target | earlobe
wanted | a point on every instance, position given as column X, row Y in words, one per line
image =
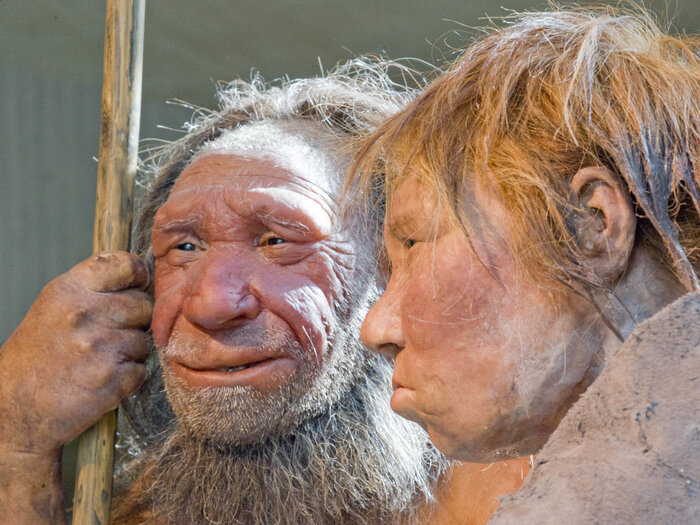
column 603, row 222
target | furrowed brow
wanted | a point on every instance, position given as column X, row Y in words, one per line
column 183, row 224
column 303, row 220
column 270, row 219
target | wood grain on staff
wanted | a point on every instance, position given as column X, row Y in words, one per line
column 121, row 109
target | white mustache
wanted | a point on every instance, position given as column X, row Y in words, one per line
column 248, row 337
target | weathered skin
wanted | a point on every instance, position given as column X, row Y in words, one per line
column 75, row 355
column 215, row 232
column 245, row 249
column 466, row 324
column 221, row 262
column 224, row 260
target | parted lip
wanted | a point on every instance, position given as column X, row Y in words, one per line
column 220, row 359
column 265, row 372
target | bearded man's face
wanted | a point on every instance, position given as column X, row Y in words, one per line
column 254, row 275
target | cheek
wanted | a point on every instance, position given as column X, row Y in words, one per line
column 458, row 343
column 301, row 303
column 448, row 298
column 457, row 376
column 308, row 295
column 332, row 270
column 170, row 293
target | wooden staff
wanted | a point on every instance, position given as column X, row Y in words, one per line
column 121, row 110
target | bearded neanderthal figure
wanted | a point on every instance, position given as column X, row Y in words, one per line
column 260, row 286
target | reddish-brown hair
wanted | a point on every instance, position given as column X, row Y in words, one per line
column 529, row 104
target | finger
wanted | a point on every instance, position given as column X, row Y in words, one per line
column 130, row 345
column 132, row 376
column 111, row 272
column 110, row 384
column 109, row 347
column 128, row 309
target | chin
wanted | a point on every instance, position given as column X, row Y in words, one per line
column 458, row 444
column 234, row 416
column 447, row 443
column 409, row 414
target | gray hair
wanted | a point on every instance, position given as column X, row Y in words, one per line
column 349, row 101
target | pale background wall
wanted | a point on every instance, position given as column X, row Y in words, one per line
column 48, row 143
column 50, row 82
column 50, row 85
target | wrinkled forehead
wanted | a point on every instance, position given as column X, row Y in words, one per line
column 303, row 148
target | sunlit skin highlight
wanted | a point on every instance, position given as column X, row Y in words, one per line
column 244, row 248
column 487, row 361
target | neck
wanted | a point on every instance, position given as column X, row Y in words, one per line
column 471, row 492
column 646, row 286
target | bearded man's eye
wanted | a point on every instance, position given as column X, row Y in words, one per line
column 186, row 247
column 271, row 240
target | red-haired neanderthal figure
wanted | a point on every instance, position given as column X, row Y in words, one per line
column 542, row 223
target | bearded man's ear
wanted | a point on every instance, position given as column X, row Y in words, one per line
column 603, row 222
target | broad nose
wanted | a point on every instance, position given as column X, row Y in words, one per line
column 382, row 331
column 221, row 295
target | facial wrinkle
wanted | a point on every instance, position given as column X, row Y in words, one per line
column 281, row 204
column 302, row 148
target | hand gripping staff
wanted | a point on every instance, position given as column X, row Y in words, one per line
column 119, row 132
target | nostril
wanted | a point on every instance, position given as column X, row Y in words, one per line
column 389, row 350
column 249, row 306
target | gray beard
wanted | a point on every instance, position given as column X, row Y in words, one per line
column 325, row 450
column 233, row 416
column 355, row 463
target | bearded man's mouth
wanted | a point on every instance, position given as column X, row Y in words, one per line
column 264, row 374
column 235, row 368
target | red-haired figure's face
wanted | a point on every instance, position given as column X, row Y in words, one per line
column 485, row 359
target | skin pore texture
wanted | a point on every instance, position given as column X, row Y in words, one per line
column 248, row 273
column 486, row 359
column 282, row 416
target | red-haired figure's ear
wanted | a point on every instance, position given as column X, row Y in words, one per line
column 604, row 221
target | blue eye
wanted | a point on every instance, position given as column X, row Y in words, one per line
column 186, row 247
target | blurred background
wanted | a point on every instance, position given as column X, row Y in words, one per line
column 50, row 90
